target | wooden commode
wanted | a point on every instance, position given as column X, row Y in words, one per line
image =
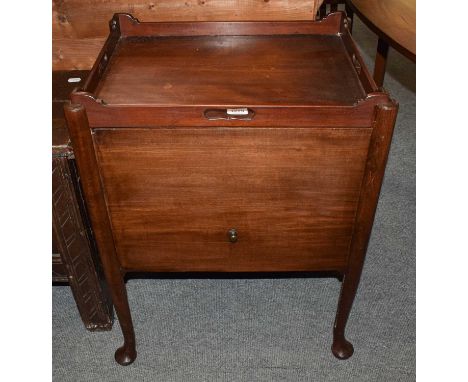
column 231, row 147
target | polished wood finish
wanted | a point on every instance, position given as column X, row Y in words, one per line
column 394, row 21
column 290, row 78
column 129, row 26
column 74, row 256
column 77, row 37
column 174, row 183
column 82, row 141
column 181, row 224
column 383, row 124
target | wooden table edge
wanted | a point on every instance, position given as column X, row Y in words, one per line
column 382, row 35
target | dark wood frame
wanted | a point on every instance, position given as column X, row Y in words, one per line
column 86, row 112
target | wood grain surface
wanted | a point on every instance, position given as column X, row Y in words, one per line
column 373, row 177
column 79, row 27
column 284, row 70
column 173, row 194
column 393, row 20
column 167, row 186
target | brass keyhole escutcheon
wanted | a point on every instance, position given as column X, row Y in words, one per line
column 232, row 235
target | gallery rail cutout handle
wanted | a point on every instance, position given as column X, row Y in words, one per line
column 242, row 113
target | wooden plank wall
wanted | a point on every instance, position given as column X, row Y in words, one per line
column 80, row 27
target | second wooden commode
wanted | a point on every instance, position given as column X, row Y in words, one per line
column 231, row 147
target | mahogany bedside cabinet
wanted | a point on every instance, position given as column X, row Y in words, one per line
column 231, row 147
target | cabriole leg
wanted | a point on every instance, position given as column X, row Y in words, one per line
column 126, row 354
column 377, row 158
column 341, row 347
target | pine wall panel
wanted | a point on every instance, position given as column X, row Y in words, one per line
column 80, row 27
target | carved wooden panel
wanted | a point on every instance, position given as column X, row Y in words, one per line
column 75, row 250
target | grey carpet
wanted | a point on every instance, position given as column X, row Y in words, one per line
column 273, row 330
